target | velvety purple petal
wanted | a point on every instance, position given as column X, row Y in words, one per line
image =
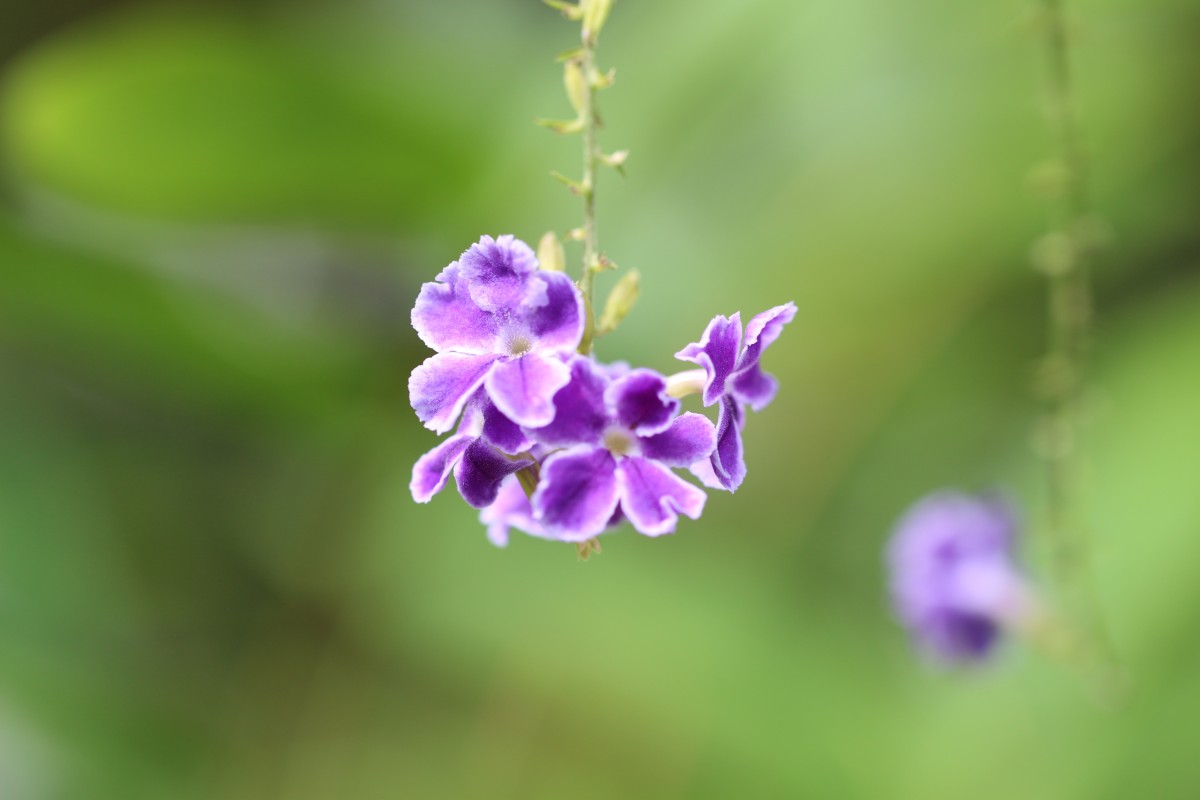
column 511, row 509
column 502, row 432
column 639, row 401
column 690, row 438
column 704, row 472
column 754, row 387
column 727, row 462
column 480, row 471
column 439, row 388
column 577, row 494
column 502, row 274
column 766, row 327
column 557, row 324
column 652, row 496
column 433, row 469
column 717, row 353
column 761, row 332
column 446, row 318
column 523, row 388
column 580, row 416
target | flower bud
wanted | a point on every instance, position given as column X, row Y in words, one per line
column 621, row 301
column 550, row 253
column 575, row 85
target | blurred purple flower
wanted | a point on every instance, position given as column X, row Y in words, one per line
column 496, row 322
column 954, row 582
column 620, row 437
column 734, row 378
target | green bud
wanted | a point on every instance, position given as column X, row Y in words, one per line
column 1055, row 253
column 621, row 301
column 550, row 253
column 563, row 126
column 576, row 86
column 571, row 11
column 575, row 186
column 576, row 234
column 603, row 80
column 595, row 14
column 615, row 160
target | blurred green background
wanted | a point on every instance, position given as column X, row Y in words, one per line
column 213, row 221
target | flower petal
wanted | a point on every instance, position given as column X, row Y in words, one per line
column 766, row 327
column 639, row 401
column 446, row 318
column 523, row 388
column 717, row 352
column 653, row 497
column 501, row 274
column 690, row 438
column 577, row 495
column 440, row 387
column 511, row 509
column 580, row 416
column 754, row 387
column 558, row 324
column 480, row 472
column 727, row 462
column 502, row 432
column 703, row 470
column 433, row 469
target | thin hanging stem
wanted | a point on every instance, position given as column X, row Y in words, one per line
column 1064, row 255
column 591, row 251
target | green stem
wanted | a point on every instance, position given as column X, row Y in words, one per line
column 591, row 252
column 1069, row 311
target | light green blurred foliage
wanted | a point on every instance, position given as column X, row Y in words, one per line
column 213, row 582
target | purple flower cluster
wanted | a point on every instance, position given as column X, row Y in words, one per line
column 554, row 443
column 954, row 581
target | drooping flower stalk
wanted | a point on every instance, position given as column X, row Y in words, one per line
column 591, row 251
column 1064, row 255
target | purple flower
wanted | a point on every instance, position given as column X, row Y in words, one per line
column 496, row 322
column 475, row 455
column 953, row 578
column 620, row 437
column 513, row 510
column 734, row 378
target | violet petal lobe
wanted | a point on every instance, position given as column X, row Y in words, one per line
column 558, row 324
column 691, row 438
column 754, row 387
column 639, row 401
column 433, row 469
column 579, row 416
column 523, row 388
column 717, row 353
column 481, row 470
column 652, row 496
column 499, row 430
column 765, row 329
column 728, row 464
column 511, row 509
column 446, row 318
column 501, row 274
column 440, row 387
column 577, row 494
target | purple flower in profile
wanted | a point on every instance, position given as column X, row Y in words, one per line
column 734, row 378
column 497, row 322
column 475, row 455
column 621, row 436
column 954, row 582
